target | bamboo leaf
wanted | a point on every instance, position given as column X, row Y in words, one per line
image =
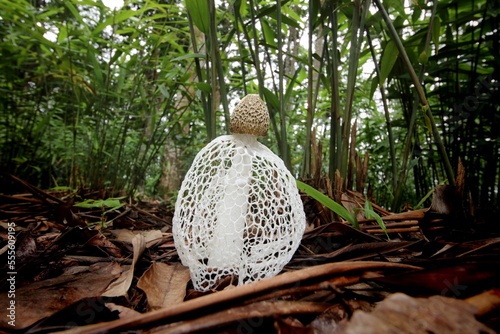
column 63, row 34
column 74, row 11
column 115, row 57
column 268, row 34
column 290, row 22
column 292, row 13
column 291, row 84
column 271, row 11
column 398, row 6
column 204, row 87
column 389, row 58
column 242, row 7
column 189, row 56
column 198, row 10
column 97, row 67
column 423, row 58
column 417, row 11
column 373, row 86
column 329, row 203
column 467, row 67
column 420, row 204
column 115, row 19
column 49, row 13
column 436, row 32
column 271, row 99
column 371, row 214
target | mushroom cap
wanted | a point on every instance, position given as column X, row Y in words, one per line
column 250, row 117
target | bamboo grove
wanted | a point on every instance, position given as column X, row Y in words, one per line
column 123, row 98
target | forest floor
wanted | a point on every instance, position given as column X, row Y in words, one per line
column 78, row 262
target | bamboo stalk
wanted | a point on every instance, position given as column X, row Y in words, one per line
column 392, row 149
column 335, row 96
column 211, row 69
column 199, row 74
column 306, row 165
column 285, row 152
column 219, row 68
column 351, row 83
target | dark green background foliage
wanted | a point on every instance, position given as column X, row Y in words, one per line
column 95, row 97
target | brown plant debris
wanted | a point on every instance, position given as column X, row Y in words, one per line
column 96, row 262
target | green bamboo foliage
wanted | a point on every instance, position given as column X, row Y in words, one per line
column 340, row 121
column 122, row 98
column 101, row 137
column 425, row 108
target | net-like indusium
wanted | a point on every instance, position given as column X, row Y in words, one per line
column 238, row 213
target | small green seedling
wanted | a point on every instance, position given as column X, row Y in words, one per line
column 371, row 214
column 110, row 203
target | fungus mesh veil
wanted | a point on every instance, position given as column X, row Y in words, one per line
column 238, row 212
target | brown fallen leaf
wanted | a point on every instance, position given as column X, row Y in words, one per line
column 124, row 312
column 164, row 284
column 400, row 313
column 26, row 248
column 122, row 284
column 82, row 312
column 101, row 242
column 52, row 295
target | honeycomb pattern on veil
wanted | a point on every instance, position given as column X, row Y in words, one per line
column 272, row 223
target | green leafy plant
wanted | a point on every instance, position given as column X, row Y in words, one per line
column 329, row 203
column 105, row 205
column 340, row 210
column 371, row 214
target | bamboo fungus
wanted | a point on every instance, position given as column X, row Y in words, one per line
column 238, row 211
